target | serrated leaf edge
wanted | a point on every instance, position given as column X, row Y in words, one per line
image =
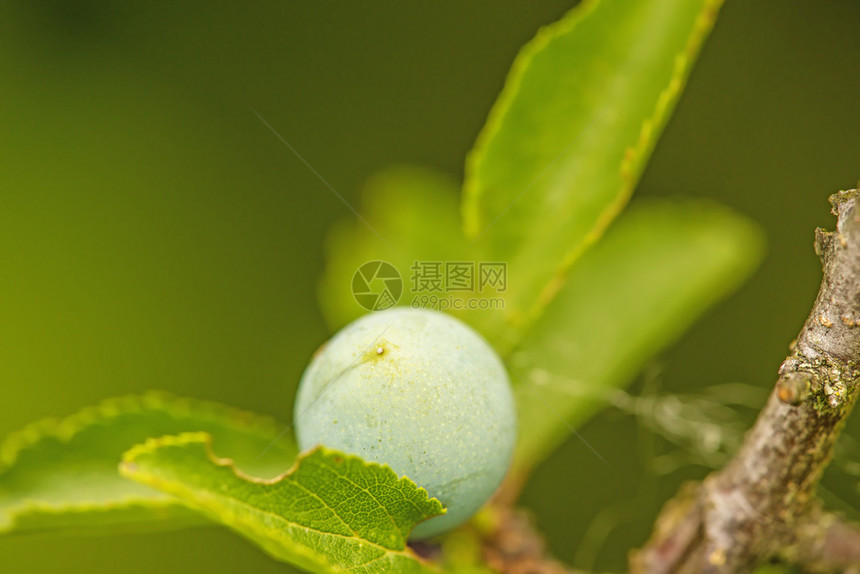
column 649, row 132
column 472, row 224
column 129, row 469
column 64, row 429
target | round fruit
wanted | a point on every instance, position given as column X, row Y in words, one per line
column 421, row 392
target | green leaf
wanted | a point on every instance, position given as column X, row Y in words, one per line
column 330, row 513
column 656, row 270
column 63, row 474
column 569, row 136
column 410, row 214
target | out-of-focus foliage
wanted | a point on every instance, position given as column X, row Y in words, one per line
column 569, row 136
column 409, row 215
column 557, row 160
column 62, row 474
column 657, row 269
column 153, row 233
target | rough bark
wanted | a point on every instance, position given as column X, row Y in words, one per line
column 763, row 504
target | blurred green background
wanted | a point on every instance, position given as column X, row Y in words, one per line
column 154, row 234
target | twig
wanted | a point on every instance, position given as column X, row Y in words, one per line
column 515, row 547
column 762, row 505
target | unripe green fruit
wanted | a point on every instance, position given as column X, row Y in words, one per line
column 421, row 392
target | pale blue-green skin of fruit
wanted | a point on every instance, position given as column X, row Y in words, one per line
column 435, row 406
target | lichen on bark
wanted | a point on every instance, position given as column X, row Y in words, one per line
column 763, row 505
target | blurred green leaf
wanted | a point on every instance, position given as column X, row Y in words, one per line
column 63, row 474
column 569, row 136
column 330, row 513
column 656, row 270
column 412, row 215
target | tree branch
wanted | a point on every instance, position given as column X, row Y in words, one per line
column 763, row 504
column 826, row 543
